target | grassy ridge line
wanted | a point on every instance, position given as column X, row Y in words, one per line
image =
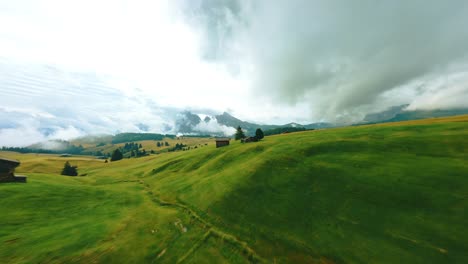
column 243, row 246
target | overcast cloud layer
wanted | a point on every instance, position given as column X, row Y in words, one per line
column 342, row 57
column 69, row 68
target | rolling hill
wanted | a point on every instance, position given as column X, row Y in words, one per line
column 387, row 193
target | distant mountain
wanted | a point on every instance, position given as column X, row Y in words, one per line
column 130, row 137
column 320, row 125
column 225, row 124
column 186, row 122
column 385, row 115
column 398, row 113
column 421, row 114
column 197, row 124
column 230, row 121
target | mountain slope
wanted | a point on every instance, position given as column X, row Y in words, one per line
column 390, row 193
column 343, row 194
column 228, row 120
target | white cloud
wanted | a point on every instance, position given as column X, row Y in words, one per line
column 139, row 47
column 20, row 136
column 445, row 92
column 69, row 132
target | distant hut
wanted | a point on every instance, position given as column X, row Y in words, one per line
column 249, row 139
column 221, row 142
column 7, row 171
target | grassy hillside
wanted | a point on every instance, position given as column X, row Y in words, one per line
column 389, row 193
column 149, row 145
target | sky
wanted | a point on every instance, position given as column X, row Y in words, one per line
column 70, row 68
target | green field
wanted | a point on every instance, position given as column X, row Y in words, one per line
column 390, row 193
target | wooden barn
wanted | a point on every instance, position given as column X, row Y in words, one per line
column 221, row 142
column 249, row 139
column 7, row 171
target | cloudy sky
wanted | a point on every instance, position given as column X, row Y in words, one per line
column 70, row 68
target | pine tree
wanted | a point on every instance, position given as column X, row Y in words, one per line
column 116, row 155
column 259, row 134
column 239, row 133
column 69, row 170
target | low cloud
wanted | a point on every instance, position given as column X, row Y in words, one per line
column 20, row 136
column 212, row 126
column 28, row 134
column 42, row 102
column 443, row 93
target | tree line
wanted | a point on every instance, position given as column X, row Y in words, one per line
column 240, row 135
column 282, row 130
column 70, row 149
column 128, row 137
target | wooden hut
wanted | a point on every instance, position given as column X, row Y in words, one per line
column 7, row 171
column 249, row 139
column 221, row 142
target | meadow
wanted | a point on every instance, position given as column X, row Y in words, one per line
column 387, row 193
column 147, row 145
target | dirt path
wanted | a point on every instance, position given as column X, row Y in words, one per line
column 251, row 255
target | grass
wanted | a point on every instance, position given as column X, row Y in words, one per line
column 149, row 145
column 389, row 193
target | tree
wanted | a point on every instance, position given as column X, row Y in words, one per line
column 69, row 170
column 158, row 144
column 239, row 133
column 116, row 155
column 166, row 144
column 259, row 134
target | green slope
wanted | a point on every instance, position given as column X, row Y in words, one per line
column 377, row 193
column 391, row 193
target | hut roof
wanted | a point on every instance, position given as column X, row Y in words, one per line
column 10, row 161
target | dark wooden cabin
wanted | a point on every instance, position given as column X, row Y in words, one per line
column 221, row 142
column 249, row 139
column 7, row 171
